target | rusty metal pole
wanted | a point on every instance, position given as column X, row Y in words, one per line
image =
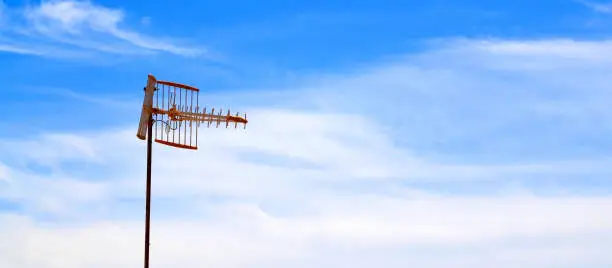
column 148, row 194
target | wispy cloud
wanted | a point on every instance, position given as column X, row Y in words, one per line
column 598, row 6
column 19, row 50
column 2, row 11
column 70, row 96
column 59, row 24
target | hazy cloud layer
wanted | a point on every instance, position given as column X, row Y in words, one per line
column 376, row 168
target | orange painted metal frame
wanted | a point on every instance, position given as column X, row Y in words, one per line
column 173, row 84
column 177, row 145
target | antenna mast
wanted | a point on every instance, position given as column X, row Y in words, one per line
column 172, row 105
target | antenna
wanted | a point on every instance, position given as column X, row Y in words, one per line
column 176, row 110
column 176, row 107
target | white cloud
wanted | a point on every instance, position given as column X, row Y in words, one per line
column 145, row 21
column 71, row 17
column 525, row 232
column 330, row 184
column 597, row 7
column 18, row 50
column 4, row 173
column 3, row 15
column 560, row 49
column 85, row 25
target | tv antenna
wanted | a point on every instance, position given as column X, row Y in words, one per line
column 176, row 107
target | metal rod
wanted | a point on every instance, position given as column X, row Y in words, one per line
column 148, row 194
column 163, row 116
column 173, row 106
column 156, row 105
column 191, row 123
column 180, row 109
column 185, row 123
column 198, row 122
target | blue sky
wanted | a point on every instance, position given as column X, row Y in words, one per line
column 395, row 132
